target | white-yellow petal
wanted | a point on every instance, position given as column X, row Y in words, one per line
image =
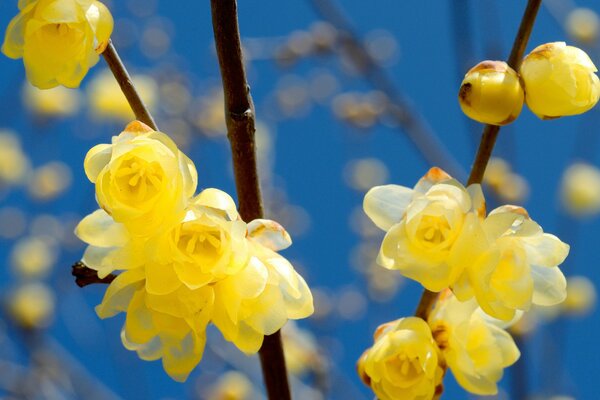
column 386, row 205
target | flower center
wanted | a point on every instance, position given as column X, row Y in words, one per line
column 139, row 179
column 204, row 244
column 433, row 230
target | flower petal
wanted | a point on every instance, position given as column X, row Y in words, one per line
column 549, row 285
column 385, row 205
column 269, row 234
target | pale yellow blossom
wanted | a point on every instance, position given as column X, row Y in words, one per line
column 142, row 179
column 423, row 225
column 403, row 363
column 475, row 348
column 59, row 40
column 510, row 264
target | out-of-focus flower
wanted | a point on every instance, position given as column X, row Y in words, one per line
column 580, row 189
column 475, row 347
column 32, row 257
column 360, row 110
column 232, row 385
column 510, row 264
column 32, row 306
column 508, row 185
column 581, row 296
column 559, row 80
column 59, row 40
column 14, row 163
column 363, row 174
column 423, row 224
column 301, row 350
column 142, row 179
column 491, row 93
column 583, row 25
column 403, row 362
column 108, row 101
column 49, row 181
column 55, row 102
column 209, row 116
column 175, row 97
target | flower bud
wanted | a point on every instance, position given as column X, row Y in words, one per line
column 491, row 93
column 559, row 80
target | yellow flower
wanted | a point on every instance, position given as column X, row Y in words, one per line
column 14, row 164
column 580, row 189
column 208, row 245
column 142, row 179
column 59, row 40
column 231, row 386
column 56, row 102
column 170, row 327
column 32, row 306
column 259, row 299
column 403, row 362
column 476, row 348
column 559, row 80
column 583, row 24
column 491, row 93
column 423, row 225
column 510, row 264
column 581, row 296
column 108, row 101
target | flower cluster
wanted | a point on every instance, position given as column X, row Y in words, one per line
column 59, row 40
column 186, row 261
column 554, row 80
column 439, row 235
column 409, row 357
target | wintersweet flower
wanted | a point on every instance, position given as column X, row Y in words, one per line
column 259, row 299
column 208, row 245
column 475, row 347
column 559, row 80
column 171, row 327
column 510, row 264
column 491, row 93
column 424, row 224
column 59, row 40
column 142, row 179
column 404, row 362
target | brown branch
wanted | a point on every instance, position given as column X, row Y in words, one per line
column 122, row 76
column 86, row 276
column 490, row 132
column 413, row 125
column 239, row 113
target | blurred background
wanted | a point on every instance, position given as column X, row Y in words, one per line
column 348, row 95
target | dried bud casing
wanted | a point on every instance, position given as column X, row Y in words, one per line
column 559, row 80
column 491, row 93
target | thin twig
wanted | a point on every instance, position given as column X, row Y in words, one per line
column 84, row 275
column 414, row 126
column 239, row 112
column 490, row 132
column 122, row 76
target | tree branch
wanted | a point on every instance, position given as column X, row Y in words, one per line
column 490, row 132
column 239, row 114
column 413, row 124
column 122, row 76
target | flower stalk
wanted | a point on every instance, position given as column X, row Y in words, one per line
column 124, row 80
column 490, row 132
column 239, row 115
